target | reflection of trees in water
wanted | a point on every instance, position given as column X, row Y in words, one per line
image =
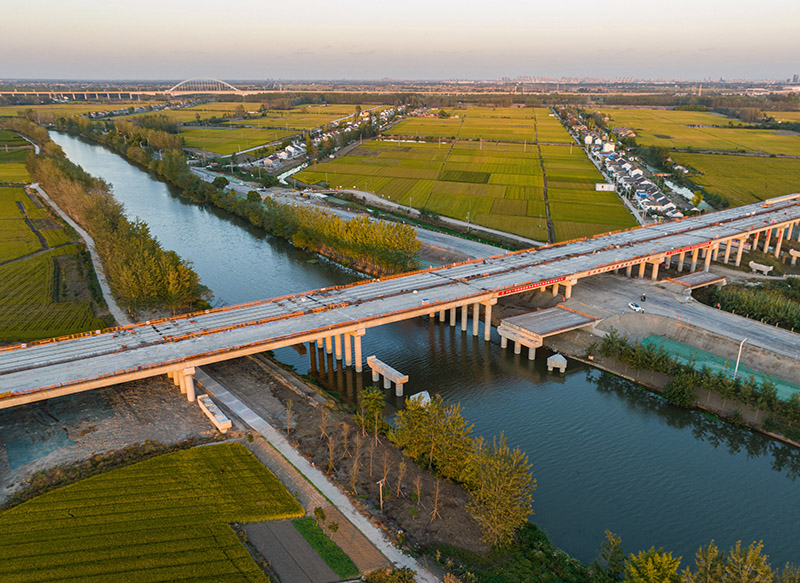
column 704, row 426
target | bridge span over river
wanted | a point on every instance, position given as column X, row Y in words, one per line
column 340, row 316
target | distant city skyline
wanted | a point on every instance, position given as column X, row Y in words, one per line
column 415, row 40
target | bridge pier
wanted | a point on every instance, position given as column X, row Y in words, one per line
column 555, row 289
column 642, row 267
column 185, row 380
column 348, row 353
column 715, row 252
column 767, row 237
column 739, row 251
column 464, row 316
column 337, row 342
column 628, row 270
column 727, row 257
column 389, row 374
column 695, row 253
column 754, row 246
column 487, row 326
column 357, row 344
column 779, row 243
column 328, row 345
column 654, row 275
column 707, row 259
column 476, row 318
column 452, row 316
column 441, row 315
column 681, row 258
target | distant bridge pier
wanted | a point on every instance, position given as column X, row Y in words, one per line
column 779, row 243
column 767, row 237
column 642, row 267
column 441, row 315
column 739, row 251
column 707, row 253
column 476, row 318
column 464, row 317
column 487, row 327
column 695, row 254
column 185, row 380
column 628, row 270
column 452, row 316
column 681, row 258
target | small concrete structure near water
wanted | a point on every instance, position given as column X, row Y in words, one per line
column 531, row 328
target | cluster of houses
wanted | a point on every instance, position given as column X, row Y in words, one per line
column 280, row 157
column 631, row 181
column 379, row 120
column 628, row 179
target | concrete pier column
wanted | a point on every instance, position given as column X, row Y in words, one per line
column 628, row 270
column 180, row 381
column 555, row 289
column 716, row 252
column 767, row 237
column 312, row 356
column 337, row 343
column 654, row 275
column 779, row 243
column 681, row 257
column 398, row 389
column 387, row 382
column 452, row 316
column 695, row 253
column 487, row 327
column 188, row 380
column 797, row 225
column 642, row 267
column 357, row 342
column 348, row 353
column 568, row 290
column 531, row 353
column 375, row 375
column 517, row 347
column 503, row 342
column 319, row 342
column 739, row 252
column 176, row 378
column 464, row 316
column 476, row 318
column 754, row 246
column 441, row 315
column 707, row 260
column 328, row 345
column 728, row 245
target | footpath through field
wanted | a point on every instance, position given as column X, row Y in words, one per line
column 365, row 544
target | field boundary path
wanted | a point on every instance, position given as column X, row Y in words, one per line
column 551, row 232
column 317, row 489
column 119, row 314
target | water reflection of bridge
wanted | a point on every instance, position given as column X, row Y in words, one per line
column 337, row 318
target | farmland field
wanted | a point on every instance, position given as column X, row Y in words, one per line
column 9, row 138
column 499, row 185
column 793, row 116
column 163, row 519
column 61, row 109
column 13, row 172
column 744, row 179
column 229, row 141
column 701, row 131
column 36, row 300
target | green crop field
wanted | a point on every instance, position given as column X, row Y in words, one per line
column 229, row 141
column 793, row 116
column 32, row 303
column 62, row 109
column 499, row 185
column 14, row 172
column 701, row 131
column 743, row 179
column 14, row 155
column 9, row 138
column 164, row 519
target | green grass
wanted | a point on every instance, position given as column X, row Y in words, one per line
column 228, row 141
column 9, row 138
column 163, row 519
column 743, row 179
column 67, row 109
column 330, row 552
column 14, row 155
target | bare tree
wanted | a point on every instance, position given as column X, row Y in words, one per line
column 345, row 433
column 324, row 413
column 401, row 469
column 435, row 514
column 331, row 453
column 419, row 489
column 289, row 407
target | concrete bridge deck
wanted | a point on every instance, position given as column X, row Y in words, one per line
column 60, row 366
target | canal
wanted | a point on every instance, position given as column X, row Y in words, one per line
column 606, row 453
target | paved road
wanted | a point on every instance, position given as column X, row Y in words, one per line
column 612, row 294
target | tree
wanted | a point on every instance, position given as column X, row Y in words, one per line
column 502, row 496
column 253, row 196
column 746, row 565
column 610, row 560
column 220, row 182
column 652, row 566
column 697, row 199
column 443, row 114
column 708, row 566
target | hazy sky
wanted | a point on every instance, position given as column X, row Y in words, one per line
column 414, row 39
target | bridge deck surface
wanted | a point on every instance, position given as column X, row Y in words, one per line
column 549, row 321
column 283, row 321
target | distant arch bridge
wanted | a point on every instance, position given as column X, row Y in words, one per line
column 203, row 85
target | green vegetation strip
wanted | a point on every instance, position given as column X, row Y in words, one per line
column 330, row 552
column 163, row 519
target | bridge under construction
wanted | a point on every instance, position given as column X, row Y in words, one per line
column 338, row 317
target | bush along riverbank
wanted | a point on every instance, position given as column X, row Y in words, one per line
column 753, row 403
column 142, row 275
column 374, row 247
column 775, row 303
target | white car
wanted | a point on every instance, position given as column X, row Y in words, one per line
column 635, row 307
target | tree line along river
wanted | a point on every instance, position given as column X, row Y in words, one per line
column 606, row 453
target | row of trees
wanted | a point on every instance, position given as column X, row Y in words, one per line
column 688, row 379
column 778, row 305
column 739, row 565
column 142, row 274
column 497, row 477
column 374, row 246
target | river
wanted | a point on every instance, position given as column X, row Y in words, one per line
column 606, row 453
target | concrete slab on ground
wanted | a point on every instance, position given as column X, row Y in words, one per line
column 289, row 554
